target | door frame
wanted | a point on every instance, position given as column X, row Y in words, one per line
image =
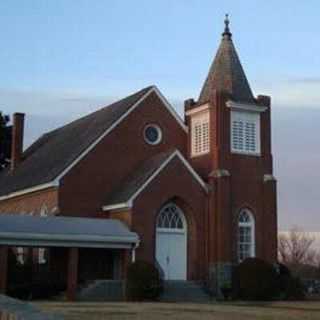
column 174, row 231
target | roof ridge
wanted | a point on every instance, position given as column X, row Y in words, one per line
column 146, row 89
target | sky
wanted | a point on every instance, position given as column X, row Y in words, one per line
column 62, row 59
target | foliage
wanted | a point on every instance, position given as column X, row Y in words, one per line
column 143, row 282
column 5, row 141
column 255, row 279
column 291, row 288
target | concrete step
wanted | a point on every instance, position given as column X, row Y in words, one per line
column 184, row 291
column 102, row 290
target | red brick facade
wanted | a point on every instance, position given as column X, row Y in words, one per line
column 32, row 203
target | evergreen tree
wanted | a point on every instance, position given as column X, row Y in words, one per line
column 5, row 141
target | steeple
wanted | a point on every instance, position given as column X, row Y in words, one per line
column 226, row 73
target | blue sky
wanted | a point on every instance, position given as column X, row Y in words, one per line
column 60, row 59
column 114, row 47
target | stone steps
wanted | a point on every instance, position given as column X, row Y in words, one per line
column 101, row 290
column 184, row 291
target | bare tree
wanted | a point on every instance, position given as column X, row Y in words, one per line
column 295, row 249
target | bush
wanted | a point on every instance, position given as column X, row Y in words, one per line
column 256, row 279
column 143, row 282
column 291, row 288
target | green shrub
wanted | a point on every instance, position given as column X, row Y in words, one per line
column 143, row 282
column 291, row 288
column 256, row 279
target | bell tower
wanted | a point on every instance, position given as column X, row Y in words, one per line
column 230, row 147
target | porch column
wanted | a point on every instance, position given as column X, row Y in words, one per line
column 3, row 269
column 72, row 275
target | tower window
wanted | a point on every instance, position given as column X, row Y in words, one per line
column 200, row 139
column 246, row 238
column 245, row 132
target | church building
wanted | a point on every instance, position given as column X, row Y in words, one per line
column 135, row 181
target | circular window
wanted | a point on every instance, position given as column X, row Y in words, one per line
column 152, row 134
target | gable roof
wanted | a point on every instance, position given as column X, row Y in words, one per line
column 226, row 73
column 135, row 183
column 56, row 152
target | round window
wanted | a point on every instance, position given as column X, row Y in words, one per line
column 152, row 134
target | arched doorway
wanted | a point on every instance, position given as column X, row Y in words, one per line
column 171, row 242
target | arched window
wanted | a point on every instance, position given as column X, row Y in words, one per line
column 171, row 217
column 246, row 238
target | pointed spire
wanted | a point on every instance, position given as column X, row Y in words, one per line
column 226, row 72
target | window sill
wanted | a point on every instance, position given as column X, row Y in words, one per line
column 244, row 153
column 199, row 154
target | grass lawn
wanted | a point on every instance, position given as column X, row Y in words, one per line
column 155, row 311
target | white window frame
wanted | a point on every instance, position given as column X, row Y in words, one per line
column 159, row 131
column 164, row 214
column 200, row 134
column 42, row 251
column 20, row 255
column 245, row 119
column 250, row 224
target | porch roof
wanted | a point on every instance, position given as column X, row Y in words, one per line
column 34, row 231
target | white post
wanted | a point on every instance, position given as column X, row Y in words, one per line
column 133, row 255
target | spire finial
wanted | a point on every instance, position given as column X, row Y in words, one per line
column 227, row 34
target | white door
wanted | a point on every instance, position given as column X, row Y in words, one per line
column 171, row 243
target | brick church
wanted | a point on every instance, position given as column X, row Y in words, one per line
column 193, row 196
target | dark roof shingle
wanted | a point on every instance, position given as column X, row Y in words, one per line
column 44, row 160
column 226, row 74
column 137, row 179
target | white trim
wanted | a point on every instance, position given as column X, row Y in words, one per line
column 268, row 177
column 252, row 226
column 176, row 153
column 56, row 181
column 67, row 240
column 204, row 107
column 184, row 161
column 30, row 190
column 219, row 173
column 159, row 131
column 170, row 108
column 125, row 205
column 245, row 107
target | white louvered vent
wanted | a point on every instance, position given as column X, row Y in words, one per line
column 200, row 139
column 245, row 132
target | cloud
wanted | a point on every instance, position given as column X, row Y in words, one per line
column 294, row 93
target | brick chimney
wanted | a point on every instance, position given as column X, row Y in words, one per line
column 17, row 139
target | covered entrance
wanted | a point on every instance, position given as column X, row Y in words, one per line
column 171, row 242
column 67, row 234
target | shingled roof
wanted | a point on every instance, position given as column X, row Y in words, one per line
column 137, row 179
column 44, row 160
column 129, row 189
column 226, row 73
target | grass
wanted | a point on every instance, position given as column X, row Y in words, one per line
column 176, row 311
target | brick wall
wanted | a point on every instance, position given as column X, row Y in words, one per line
column 85, row 188
column 32, row 203
column 176, row 184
